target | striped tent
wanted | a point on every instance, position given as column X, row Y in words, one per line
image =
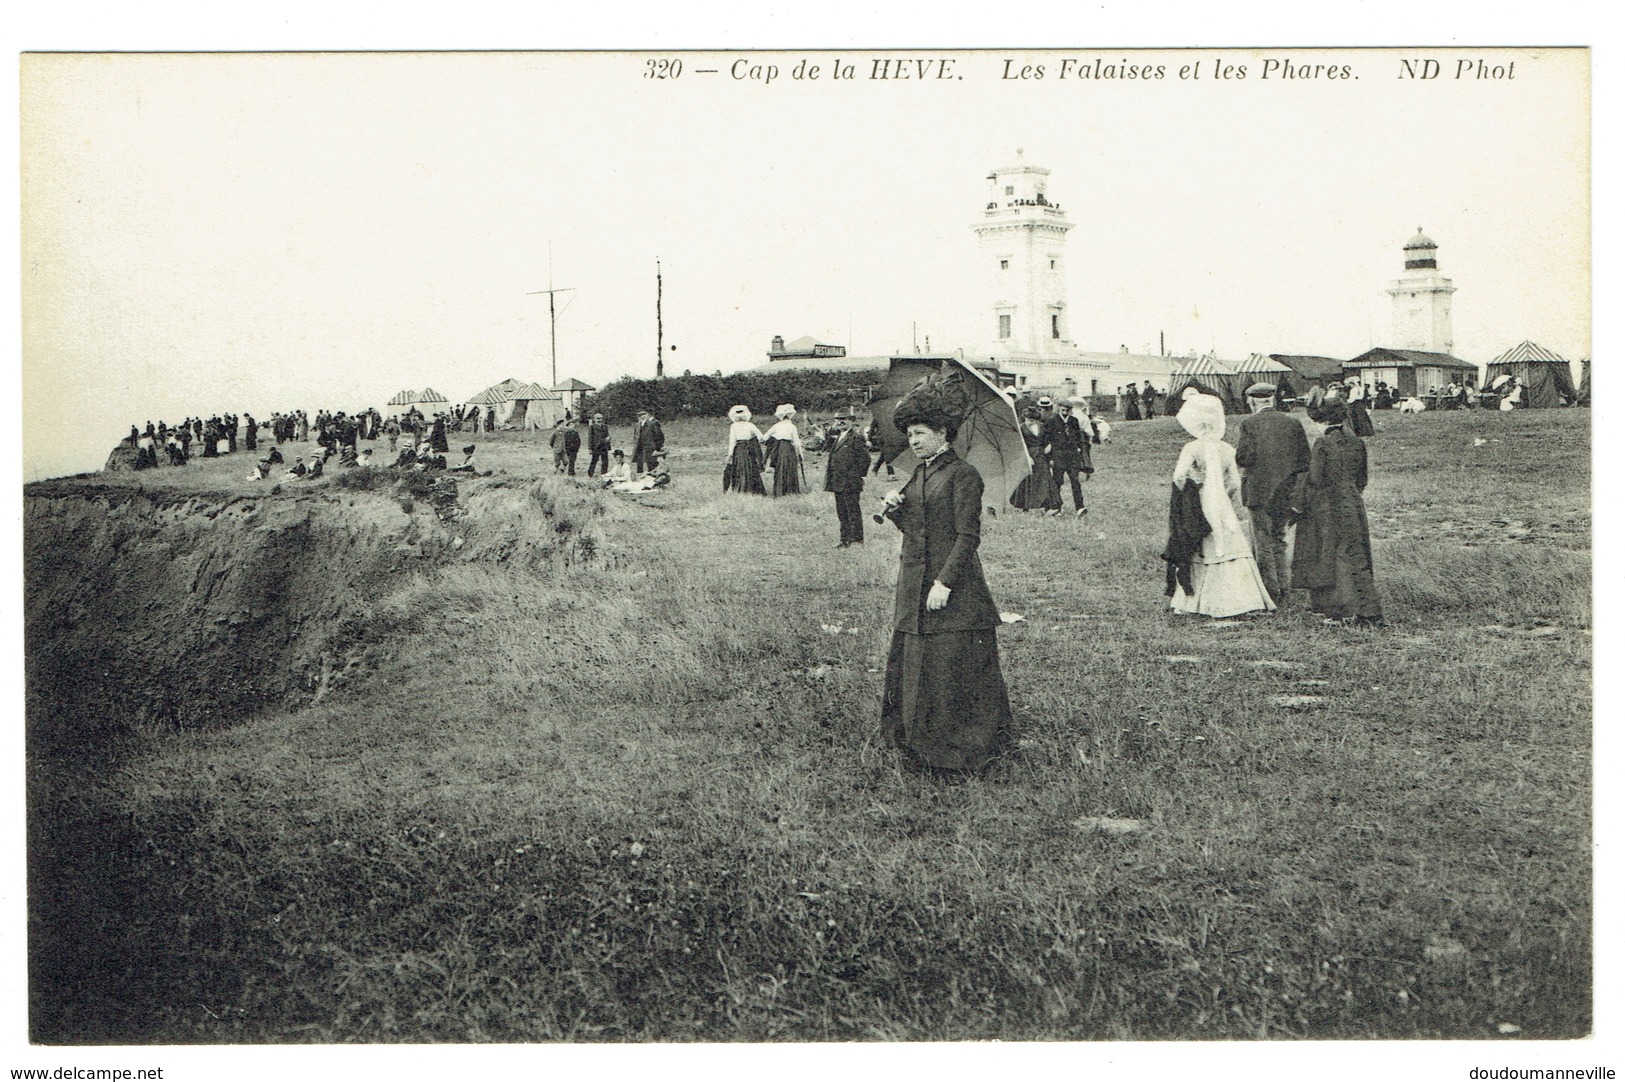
column 496, row 394
column 534, row 406
column 429, row 402
column 1226, row 380
column 404, row 398
column 1548, row 380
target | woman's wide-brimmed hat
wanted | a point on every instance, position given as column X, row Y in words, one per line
column 1202, row 416
column 739, row 413
column 785, row 412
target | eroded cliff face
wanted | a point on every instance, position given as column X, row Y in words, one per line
column 151, row 607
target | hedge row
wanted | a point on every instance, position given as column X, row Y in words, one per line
column 712, row 396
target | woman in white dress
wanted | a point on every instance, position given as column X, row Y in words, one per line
column 1224, row 575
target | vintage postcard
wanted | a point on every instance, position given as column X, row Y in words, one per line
column 792, row 550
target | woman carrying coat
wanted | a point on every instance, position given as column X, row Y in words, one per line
column 1225, row 580
column 945, row 705
column 1332, row 557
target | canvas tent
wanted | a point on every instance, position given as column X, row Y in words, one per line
column 498, row 398
column 534, row 406
column 1583, row 398
column 403, row 400
column 1547, row 379
column 429, row 402
column 1226, row 380
column 520, row 405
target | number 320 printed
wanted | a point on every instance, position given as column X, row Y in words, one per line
column 663, row 69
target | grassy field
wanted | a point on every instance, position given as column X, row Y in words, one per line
column 634, row 792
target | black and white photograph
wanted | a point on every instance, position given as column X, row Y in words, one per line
column 781, row 548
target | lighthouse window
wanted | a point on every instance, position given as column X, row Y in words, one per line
column 1009, row 189
column 1054, row 325
column 1004, row 326
column 1052, row 264
column 1004, row 264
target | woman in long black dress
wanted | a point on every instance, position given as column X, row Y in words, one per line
column 1332, row 555
column 945, row 705
column 1038, row 491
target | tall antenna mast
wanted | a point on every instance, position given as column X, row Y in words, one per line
column 660, row 327
column 552, row 315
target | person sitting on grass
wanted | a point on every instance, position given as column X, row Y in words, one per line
column 621, row 472
column 429, row 458
column 407, row 458
column 365, row 459
column 658, row 476
column 262, row 470
column 298, row 468
column 316, row 467
column 467, row 464
column 659, row 472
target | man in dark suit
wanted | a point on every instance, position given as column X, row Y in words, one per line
column 598, row 445
column 1273, row 452
column 844, row 472
column 647, row 438
column 1068, row 452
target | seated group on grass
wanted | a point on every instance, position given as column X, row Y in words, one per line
column 622, row 478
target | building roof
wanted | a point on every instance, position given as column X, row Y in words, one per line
column 1311, row 366
column 1383, row 357
column 1527, row 351
column 823, row 364
column 574, row 384
column 1421, row 240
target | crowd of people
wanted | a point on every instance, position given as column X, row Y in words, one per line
column 1231, row 508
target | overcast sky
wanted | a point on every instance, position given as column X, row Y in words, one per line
column 210, row 233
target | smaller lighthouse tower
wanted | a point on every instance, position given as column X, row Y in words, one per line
column 1422, row 300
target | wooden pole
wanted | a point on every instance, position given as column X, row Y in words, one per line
column 660, row 327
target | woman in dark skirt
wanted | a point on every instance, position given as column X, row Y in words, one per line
column 743, row 470
column 1038, row 491
column 1331, row 557
column 945, row 704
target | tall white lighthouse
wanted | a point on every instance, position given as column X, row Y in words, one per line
column 1021, row 240
column 1422, row 300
